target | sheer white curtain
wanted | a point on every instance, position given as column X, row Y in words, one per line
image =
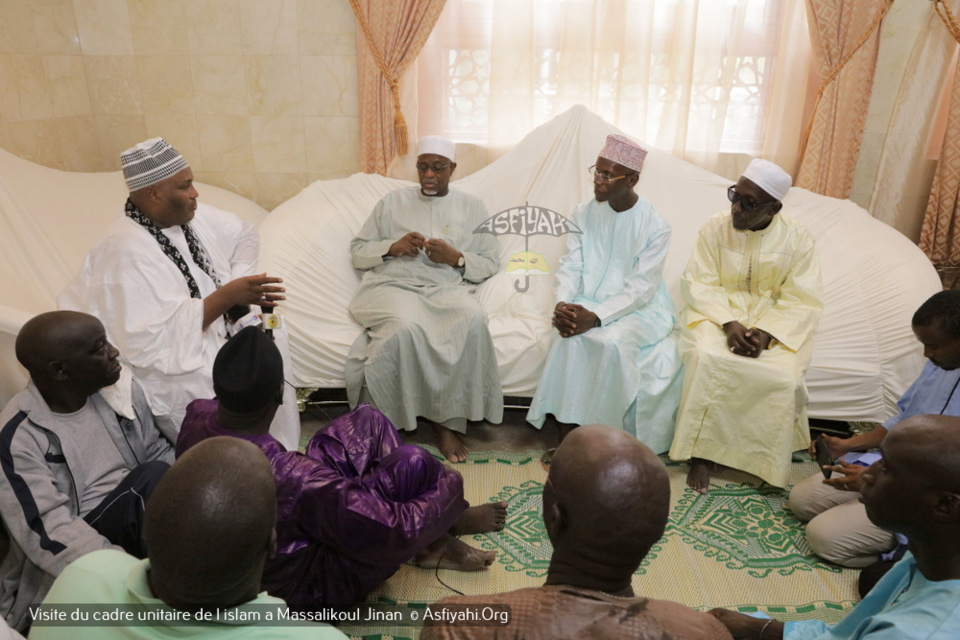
column 712, row 81
column 897, row 163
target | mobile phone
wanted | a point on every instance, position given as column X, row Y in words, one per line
column 823, row 456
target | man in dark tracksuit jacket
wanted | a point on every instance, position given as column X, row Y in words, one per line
column 75, row 469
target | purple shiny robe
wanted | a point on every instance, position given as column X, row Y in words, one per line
column 351, row 511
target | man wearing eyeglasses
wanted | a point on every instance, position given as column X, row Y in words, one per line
column 753, row 298
column 426, row 350
column 613, row 313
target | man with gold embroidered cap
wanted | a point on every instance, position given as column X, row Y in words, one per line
column 162, row 279
column 426, row 350
column 613, row 313
column 753, row 298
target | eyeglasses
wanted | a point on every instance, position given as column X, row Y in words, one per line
column 604, row 177
column 436, row 167
column 747, row 204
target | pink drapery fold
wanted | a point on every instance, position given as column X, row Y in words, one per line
column 846, row 39
column 391, row 35
column 938, row 237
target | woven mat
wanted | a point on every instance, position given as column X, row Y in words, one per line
column 736, row 547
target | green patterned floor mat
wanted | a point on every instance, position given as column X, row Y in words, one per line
column 735, row 547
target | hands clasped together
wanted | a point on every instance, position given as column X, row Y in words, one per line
column 573, row 319
column 437, row 250
column 742, row 341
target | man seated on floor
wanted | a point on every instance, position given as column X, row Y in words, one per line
column 357, row 505
column 838, row 529
column 753, row 298
column 605, row 503
column 209, row 529
column 614, row 314
column 913, row 490
column 76, row 469
column 426, row 350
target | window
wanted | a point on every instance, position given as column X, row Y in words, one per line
column 689, row 77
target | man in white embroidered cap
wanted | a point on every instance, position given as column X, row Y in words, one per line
column 753, row 298
column 613, row 313
column 426, row 351
column 162, row 279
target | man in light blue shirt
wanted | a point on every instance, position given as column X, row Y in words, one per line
column 838, row 529
column 914, row 490
column 613, row 313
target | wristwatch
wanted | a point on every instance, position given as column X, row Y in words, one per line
column 461, row 262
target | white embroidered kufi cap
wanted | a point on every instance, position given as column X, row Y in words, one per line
column 150, row 162
column 624, row 152
column 437, row 145
column 769, row 177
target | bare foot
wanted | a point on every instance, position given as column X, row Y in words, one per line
column 491, row 516
column 449, row 442
column 698, row 478
column 564, row 428
column 450, row 553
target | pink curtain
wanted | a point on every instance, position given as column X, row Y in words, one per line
column 391, row 35
column 846, row 38
column 939, row 237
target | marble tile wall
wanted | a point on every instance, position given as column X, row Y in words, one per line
column 259, row 95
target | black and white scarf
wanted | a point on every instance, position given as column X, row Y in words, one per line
column 197, row 252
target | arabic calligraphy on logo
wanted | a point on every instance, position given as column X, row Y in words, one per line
column 527, row 263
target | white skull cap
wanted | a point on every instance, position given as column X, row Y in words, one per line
column 769, row 177
column 437, row 145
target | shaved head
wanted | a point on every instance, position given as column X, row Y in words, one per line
column 49, row 335
column 68, row 356
column 915, row 488
column 607, row 498
column 209, row 525
column 933, row 441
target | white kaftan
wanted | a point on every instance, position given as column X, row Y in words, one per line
column 426, row 350
column 628, row 370
column 748, row 413
column 143, row 301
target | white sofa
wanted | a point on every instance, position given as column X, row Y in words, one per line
column 865, row 354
